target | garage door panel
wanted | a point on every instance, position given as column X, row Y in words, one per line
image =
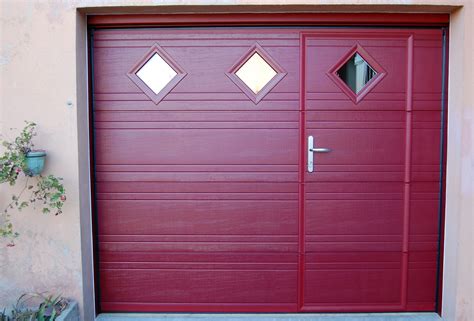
column 425, row 146
column 356, row 190
column 348, row 40
column 210, row 40
column 197, row 116
column 359, row 146
column 354, row 217
column 424, row 217
column 197, row 196
column 201, row 259
column 370, row 197
column 323, row 58
column 196, row 177
column 423, row 81
column 200, row 286
column 206, row 146
column 355, row 120
column 347, row 104
column 209, row 125
column 364, row 286
column 196, row 187
column 422, row 279
column 198, row 217
column 204, row 65
column 196, row 105
column 353, row 279
column 423, row 243
column 199, row 246
column 203, row 198
column 175, row 95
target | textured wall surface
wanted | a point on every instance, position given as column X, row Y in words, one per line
column 43, row 67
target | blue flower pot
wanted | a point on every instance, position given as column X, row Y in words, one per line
column 35, row 162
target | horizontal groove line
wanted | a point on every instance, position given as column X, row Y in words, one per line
column 202, row 263
column 352, row 199
column 267, row 182
column 197, row 199
column 212, row 193
column 148, row 128
column 265, row 235
column 207, row 182
column 196, row 121
column 352, row 269
column 195, row 46
column 174, row 164
column 353, row 121
column 277, row 92
column 394, row 305
column 199, row 100
column 208, row 242
column 220, row 110
column 250, row 110
column 208, row 270
column 200, row 303
column 253, row 253
column 253, row 172
column 349, row 101
column 363, row 193
column 187, row 92
column 357, row 262
column 357, row 241
column 225, row 235
column 188, row 171
column 176, row 37
column 350, row 128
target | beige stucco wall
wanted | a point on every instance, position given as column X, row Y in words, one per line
column 43, row 67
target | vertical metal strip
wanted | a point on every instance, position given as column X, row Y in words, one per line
column 407, row 175
column 95, row 220
column 301, row 173
column 441, row 170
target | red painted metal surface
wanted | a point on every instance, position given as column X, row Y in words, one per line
column 271, row 19
column 203, row 200
column 370, row 215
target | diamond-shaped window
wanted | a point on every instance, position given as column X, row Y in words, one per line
column 356, row 73
column 156, row 74
column 256, row 73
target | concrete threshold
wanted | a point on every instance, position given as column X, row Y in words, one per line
column 268, row 317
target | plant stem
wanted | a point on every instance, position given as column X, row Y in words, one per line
column 17, row 197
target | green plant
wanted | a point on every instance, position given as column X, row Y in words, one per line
column 46, row 191
column 4, row 316
column 49, row 308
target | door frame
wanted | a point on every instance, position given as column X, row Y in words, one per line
column 326, row 20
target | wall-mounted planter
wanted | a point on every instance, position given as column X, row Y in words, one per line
column 35, row 162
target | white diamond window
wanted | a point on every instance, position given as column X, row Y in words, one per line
column 256, row 73
column 156, row 73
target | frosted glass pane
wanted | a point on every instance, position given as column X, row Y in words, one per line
column 356, row 73
column 256, row 73
column 156, row 73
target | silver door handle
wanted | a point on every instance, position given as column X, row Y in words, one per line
column 320, row 150
column 311, row 150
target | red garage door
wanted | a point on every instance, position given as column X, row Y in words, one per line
column 267, row 169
